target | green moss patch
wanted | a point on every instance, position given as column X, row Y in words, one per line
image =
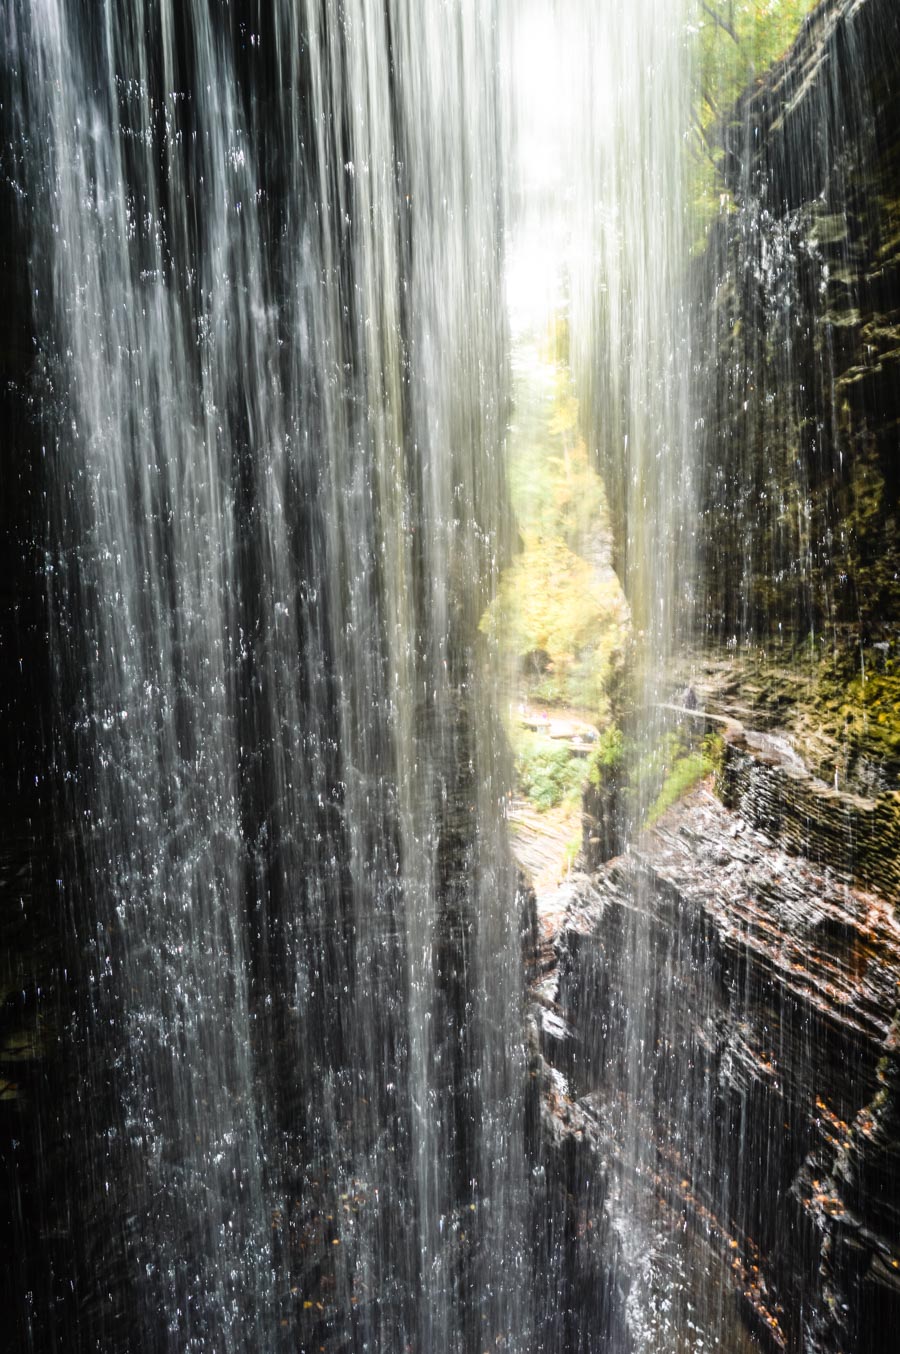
column 686, row 771
column 862, row 713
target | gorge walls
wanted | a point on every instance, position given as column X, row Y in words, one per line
column 269, row 1079
column 800, row 496
column 767, row 897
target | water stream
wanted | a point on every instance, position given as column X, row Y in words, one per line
column 603, row 247
column 265, row 255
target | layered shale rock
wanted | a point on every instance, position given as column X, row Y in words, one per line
column 757, row 1090
column 856, row 837
column 773, row 1112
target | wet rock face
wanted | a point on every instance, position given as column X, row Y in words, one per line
column 756, row 924
column 800, row 504
column 771, row 1094
column 859, row 1214
column 824, row 91
column 802, row 292
column 856, row 837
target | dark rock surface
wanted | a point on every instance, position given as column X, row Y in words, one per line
column 801, row 293
column 858, row 838
column 823, row 93
column 773, row 1112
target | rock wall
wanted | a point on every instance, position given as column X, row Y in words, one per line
column 768, row 1214
column 773, row 1108
column 854, row 837
column 800, row 299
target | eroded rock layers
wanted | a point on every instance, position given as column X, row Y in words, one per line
column 766, row 1128
column 773, row 1110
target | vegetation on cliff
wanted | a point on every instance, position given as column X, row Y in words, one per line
column 737, row 41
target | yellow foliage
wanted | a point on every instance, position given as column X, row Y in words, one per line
column 559, row 600
column 551, row 599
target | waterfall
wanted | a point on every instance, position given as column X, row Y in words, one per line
column 632, row 357
column 264, row 254
column 434, row 422
column 603, row 205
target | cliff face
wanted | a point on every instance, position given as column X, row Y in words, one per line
column 757, row 920
column 801, row 295
column 771, row 1099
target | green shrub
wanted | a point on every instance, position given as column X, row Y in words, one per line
column 547, row 773
column 687, row 769
column 607, row 758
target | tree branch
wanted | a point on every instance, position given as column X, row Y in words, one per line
column 720, row 22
